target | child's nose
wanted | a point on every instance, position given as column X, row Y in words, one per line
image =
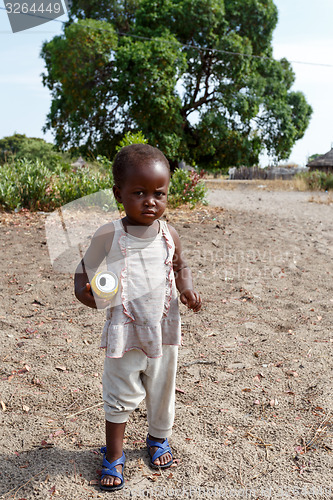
column 149, row 201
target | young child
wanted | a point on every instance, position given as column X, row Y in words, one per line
column 142, row 331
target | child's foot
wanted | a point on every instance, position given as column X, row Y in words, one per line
column 163, row 460
column 112, row 480
column 112, row 472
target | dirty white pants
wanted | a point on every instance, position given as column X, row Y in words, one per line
column 130, row 379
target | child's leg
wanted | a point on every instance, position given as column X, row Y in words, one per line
column 160, row 384
column 122, row 393
column 114, row 446
column 114, row 440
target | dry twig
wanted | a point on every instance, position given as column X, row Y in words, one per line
column 84, row 410
column 262, row 443
column 319, row 432
column 198, row 362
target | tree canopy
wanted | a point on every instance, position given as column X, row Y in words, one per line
column 197, row 77
column 18, row 146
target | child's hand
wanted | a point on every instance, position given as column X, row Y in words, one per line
column 191, row 299
column 91, row 300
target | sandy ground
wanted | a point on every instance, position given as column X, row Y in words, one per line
column 254, row 386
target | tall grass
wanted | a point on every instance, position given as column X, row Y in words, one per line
column 317, row 180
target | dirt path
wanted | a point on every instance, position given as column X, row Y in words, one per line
column 254, row 398
column 286, row 204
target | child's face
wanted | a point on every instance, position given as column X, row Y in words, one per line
column 144, row 192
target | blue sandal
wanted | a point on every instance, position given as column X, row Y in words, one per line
column 110, row 470
column 162, row 449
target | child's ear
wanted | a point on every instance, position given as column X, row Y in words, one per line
column 117, row 194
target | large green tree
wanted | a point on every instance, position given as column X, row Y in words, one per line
column 196, row 76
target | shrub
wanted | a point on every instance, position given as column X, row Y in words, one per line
column 35, row 185
column 105, row 165
column 318, row 180
column 132, row 138
column 186, row 187
column 24, row 185
column 69, row 186
column 32, row 185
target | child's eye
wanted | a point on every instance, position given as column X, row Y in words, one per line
column 139, row 193
column 159, row 194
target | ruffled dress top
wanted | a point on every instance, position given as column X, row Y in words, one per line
column 144, row 313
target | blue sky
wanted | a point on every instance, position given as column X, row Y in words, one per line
column 304, row 33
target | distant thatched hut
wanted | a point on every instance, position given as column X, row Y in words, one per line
column 324, row 163
column 79, row 163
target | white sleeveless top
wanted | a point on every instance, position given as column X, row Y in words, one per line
column 144, row 313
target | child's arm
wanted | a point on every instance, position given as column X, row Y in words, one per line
column 99, row 247
column 183, row 276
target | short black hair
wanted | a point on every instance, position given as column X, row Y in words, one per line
column 130, row 156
